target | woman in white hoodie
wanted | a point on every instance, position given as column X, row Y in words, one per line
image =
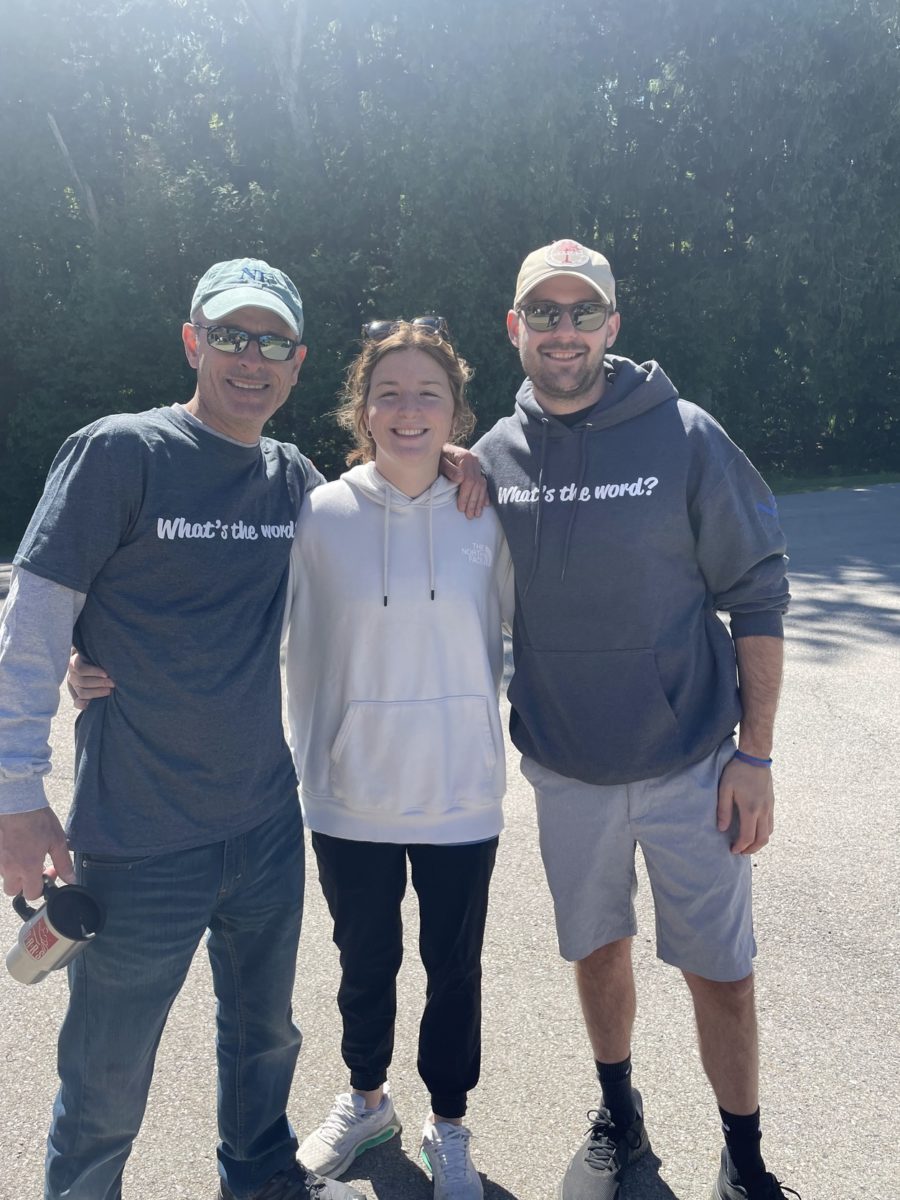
column 394, row 661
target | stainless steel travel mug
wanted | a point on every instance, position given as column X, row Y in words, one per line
column 68, row 921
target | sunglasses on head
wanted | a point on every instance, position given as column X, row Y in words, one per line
column 377, row 331
column 235, row 341
column 542, row 316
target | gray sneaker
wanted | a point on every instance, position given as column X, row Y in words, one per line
column 350, row 1129
column 445, row 1155
column 296, row 1183
column 729, row 1187
column 593, row 1173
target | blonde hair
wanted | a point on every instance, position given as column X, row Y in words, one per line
column 351, row 415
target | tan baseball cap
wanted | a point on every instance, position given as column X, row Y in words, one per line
column 566, row 257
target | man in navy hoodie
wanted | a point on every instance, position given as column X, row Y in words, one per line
column 633, row 520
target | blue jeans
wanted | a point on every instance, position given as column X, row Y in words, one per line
column 248, row 892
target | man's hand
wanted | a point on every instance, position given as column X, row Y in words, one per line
column 86, row 682
column 463, row 467
column 749, row 790
column 26, row 840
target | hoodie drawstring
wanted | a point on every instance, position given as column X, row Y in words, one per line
column 430, row 544
column 387, row 538
column 536, row 545
column 582, row 466
column 387, row 541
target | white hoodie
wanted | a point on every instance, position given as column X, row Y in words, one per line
column 394, row 663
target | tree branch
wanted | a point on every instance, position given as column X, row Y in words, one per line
column 84, row 188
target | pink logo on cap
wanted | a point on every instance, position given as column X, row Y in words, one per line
column 567, row 253
column 39, row 939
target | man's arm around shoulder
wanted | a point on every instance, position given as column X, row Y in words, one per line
column 463, row 467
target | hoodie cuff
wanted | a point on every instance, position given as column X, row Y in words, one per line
column 757, row 624
column 22, row 795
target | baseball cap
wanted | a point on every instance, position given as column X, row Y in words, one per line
column 566, row 257
column 243, row 282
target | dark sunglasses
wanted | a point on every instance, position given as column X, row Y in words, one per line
column 235, row 341
column 542, row 315
column 377, row 331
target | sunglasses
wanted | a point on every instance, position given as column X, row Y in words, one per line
column 235, row 341
column 377, row 331
column 542, row 316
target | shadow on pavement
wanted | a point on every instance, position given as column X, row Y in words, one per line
column 389, row 1171
column 836, row 609
column 642, row 1182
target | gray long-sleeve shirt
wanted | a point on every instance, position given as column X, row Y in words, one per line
column 35, row 639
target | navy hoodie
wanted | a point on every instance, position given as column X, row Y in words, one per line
column 629, row 530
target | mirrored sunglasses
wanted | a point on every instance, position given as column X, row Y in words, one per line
column 377, row 331
column 235, row 341
column 542, row 316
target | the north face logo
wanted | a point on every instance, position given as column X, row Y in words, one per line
column 479, row 554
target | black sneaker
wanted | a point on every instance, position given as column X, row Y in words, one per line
column 729, row 1187
column 296, row 1183
column 594, row 1171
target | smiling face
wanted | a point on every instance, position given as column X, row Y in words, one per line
column 565, row 365
column 237, row 393
column 409, row 410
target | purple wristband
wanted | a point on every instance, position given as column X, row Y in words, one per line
column 752, row 759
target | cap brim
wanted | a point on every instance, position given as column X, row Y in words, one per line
column 533, row 283
column 248, row 297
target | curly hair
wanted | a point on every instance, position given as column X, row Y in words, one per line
column 351, row 415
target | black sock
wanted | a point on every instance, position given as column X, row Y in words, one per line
column 742, row 1137
column 615, row 1084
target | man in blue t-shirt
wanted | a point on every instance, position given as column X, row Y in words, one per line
column 161, row 548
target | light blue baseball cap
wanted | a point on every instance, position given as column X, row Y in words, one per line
column 248, row 282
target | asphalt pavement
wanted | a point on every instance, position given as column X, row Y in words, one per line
column 827, row 898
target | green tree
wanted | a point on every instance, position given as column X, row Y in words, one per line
column 738, row 163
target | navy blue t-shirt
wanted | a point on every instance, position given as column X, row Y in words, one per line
column 181, row 541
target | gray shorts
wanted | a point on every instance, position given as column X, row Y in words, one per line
column 701, row 891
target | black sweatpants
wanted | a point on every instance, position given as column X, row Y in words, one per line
column 364, row 883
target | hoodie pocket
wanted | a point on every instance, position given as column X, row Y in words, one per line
column 406, row 757
column 601, row 715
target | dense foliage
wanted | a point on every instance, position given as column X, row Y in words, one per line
column 738, row 162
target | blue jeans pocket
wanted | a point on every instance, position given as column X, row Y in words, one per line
column 109, row 862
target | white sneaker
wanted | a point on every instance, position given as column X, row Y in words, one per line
column 348, row 1131
column 445, row 1153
